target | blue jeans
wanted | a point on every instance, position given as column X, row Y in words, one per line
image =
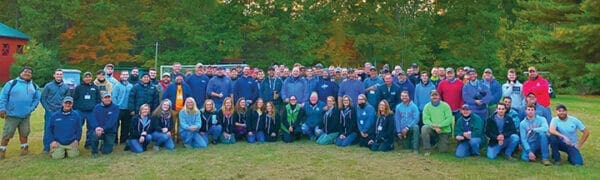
column 573, row 153
column 85, row 118
column 347, row 141
column 163, row 140
column 412, row 138
column 508, row 146
column 136, row 147
column 108, row 141
column 214, row 131
column 256, row 136
column 46, row 140
column 309, row 131
column 230, row 140
column 541, row 144
column 192, row 139
column 383, row 146
column 468, row 147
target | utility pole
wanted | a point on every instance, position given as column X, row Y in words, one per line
column 156, row 56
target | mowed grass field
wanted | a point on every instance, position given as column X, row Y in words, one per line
column 299, row 160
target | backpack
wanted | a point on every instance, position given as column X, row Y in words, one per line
column 12, row 85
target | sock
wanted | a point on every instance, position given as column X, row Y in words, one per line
column 24, row 145
column 3, row 148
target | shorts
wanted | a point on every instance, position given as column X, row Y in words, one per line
column 12, row 123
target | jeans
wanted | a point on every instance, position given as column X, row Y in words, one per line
column 468, row 147
column 541, row 144
column 46, row 140
column 214, row 131
column 411, row 141
column 427, row 132
column 325, row 139
column 256, row 136
column 384, row 146
column 163, row 140
column 85, row 118
column 136, row 147
column 192, row 139
column 108, row 142
column 230, row 140
column 508, row 146
column 573, row 153
column 309, row 131
column 346, row 141
column 289, row 137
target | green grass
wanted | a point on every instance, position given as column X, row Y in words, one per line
column 298, row 160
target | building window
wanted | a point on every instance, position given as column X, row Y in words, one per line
column 5, row 49
column 20, row 49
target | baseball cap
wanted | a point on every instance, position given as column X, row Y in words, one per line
column 87, row 74
column 449, row 69
column 487, row 70
column 561, row 106
column 67, row 99
column 414, row 64
column 350, row 70
column 319, row 65
column 466, row 106
column 434, row 92
column 109, row 65
column 105, row 94
column 166, row 74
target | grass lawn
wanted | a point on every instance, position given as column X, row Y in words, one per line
column 303, row 159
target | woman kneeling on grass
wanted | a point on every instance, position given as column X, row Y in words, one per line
column 383, row 131
column 226, row 116
column 162, row 126
column 211, row 126
column 139, row 133
column 256, row 122
column 190, row 122
column 327, row 130
column 271, row 123
column 348, row 126
column 241, row 117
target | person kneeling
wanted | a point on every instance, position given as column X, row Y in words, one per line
column 468, row 133
column 139, row 136
column 65, row 131
column 502, row 133
column 105, row 121
column 383, row 131
column 190, row 123
column 162, row 126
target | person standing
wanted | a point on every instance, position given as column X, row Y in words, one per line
column 563, row 136
column 495, row 88
column 326, row 87
column 513, row 89
column 538, row 85
column 245, row 87
column 405, row 85
column 18, row 100
column 104, row 126
column 51, row 99
column 389, row 91
column 422, row 91
column 351, row 87
column 86, row 97
column 295, row 86
column 219, row 88
column 198, row 82
column 451, row 91
column 177, row 93
column 143, row 93
column 477, row 95
column 64, row 131
column 101, row 82
column 370, row 83
column 271, row 87
column 120, row 96
column 135, row 75
column 109, row 69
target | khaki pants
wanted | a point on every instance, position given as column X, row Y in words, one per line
column 61, row 150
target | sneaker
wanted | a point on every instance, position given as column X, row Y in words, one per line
column 546, row 163
column 509, row 158
column 557, row 163
column 94, row 155
column 24, row 150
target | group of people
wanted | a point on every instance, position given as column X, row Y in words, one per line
column 380, row 110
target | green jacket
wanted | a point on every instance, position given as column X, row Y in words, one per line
column 475, row 125
column 440, row 115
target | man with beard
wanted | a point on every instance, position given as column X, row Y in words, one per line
column 219, row 88
column 198, row 82
column 563, row 136
column 135, row 75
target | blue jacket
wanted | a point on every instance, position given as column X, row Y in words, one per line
column 106, row 117
column 143, row 94
column 120, row 94
column 406, row 116
column 53, row 94
column 365, row 118
column 538, row 127
column 85, row 97
column 407, row 86
column 187, row 120
column 245, row 87
column 422, row 93
column 351, row 88
column 392, row 96
column 372, row 95
column 65, row 127
column 313, row 113
column 312, row 84
column 295, row 87
column 540, row 110
column 477, row 90
column 495, row 88
column 22, row 100
column 219, row 85
column 268, row 86
column 198, row 86
column 326, row 88
column 171, row 92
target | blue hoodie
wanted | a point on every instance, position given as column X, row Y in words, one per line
column 372, row 95
column 219, row 85
column 365, row 118
column 407, row 86
column 187, row 120
column 312, row 83
column 65, row 127
column 22, row 100
column 326, row 88
column 245, row 87
column 198, row 84
column 313, row 113
column 53, row 94
column 295, row 86
column 406, row 115
column 105, row 116
column 120, row 94
column 495, row 88
column 352, row 88
column 422, row 93
column 477, row 90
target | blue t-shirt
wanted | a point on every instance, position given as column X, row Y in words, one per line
column 568, row 127
column 499, row 123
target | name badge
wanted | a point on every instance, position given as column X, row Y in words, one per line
column 87, row 97
column 362, row 122
column 371, row 92
column 364, row 113
column 393, row 93
column 379, row 128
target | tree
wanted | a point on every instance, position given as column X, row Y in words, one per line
column 42, row 60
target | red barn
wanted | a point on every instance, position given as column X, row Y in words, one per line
column 11, row 41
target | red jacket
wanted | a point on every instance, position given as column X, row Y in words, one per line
column 539, row 87
column 451, row 93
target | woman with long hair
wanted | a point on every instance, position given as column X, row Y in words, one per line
column 211, row 126
column 347, row 124
column 240, row 117
column 328, row 128
column 384, row 129
column 139, row 136
column 256, row 122
column 162, row 126
column 190, row 124
column 271, row 122
column 226, row 116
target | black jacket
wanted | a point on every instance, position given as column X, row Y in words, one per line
column 491, row 129
column 387, row 131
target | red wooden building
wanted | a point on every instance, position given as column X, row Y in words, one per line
column 11, row 41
